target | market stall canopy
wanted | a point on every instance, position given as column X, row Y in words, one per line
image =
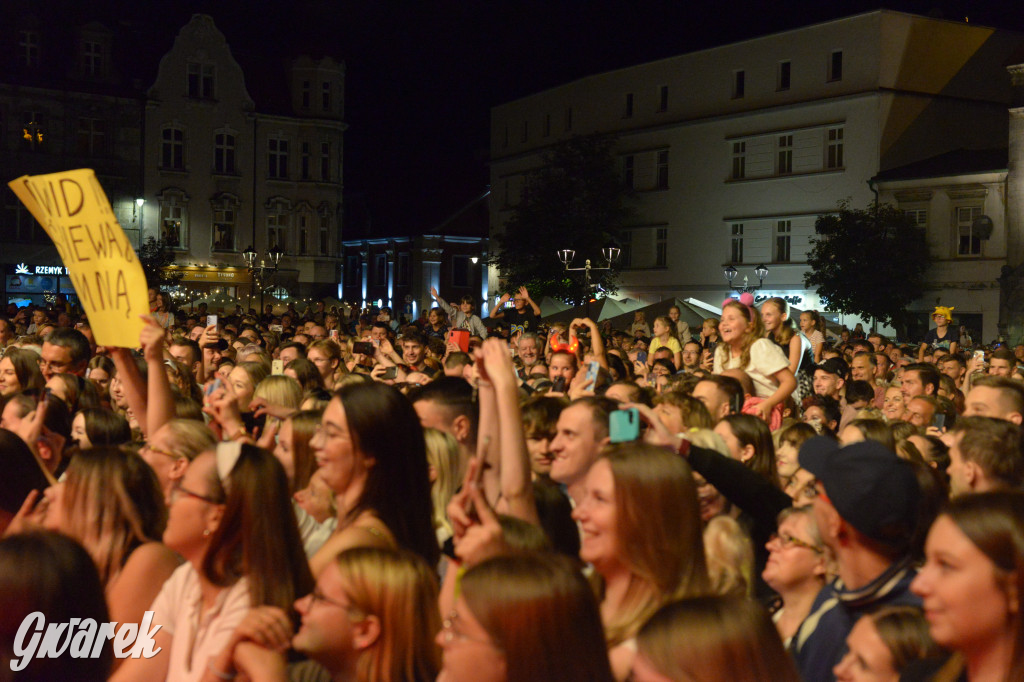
column 693, row 315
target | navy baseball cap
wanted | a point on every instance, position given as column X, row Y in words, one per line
column 873, row 490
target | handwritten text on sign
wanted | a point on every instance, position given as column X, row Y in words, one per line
column 73, row 209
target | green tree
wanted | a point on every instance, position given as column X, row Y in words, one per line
column 155, row 256
column 869, row 262
column 576, row 200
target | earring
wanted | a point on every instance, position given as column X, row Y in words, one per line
column 206, row 532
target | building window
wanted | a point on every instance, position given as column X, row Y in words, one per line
column 783, row 240
column 18, row 223
column 325, row 161
column 739, row 83
column 835, row 66
column 919, row 216
column 663, row 98
column 628, row 113
column 460, row 271
column 739, row 160
column 662, row 170
column 303, row 234
column 737, row 243
column 223, row 227
column 28, row 49
column 92, row 58
column 783, row 81
column 505, row 143
column 785, row 155
column 568, row 119
column 325, row 234
column 91, row 136
column 661, row 248
column 304, row 161
column 305, row 94
column 32, row 130
column 628, row 170
column 351, row 271
column 969, row 244
column 172, row 149
column 200, row 81
column 174, row 221
column 325, row 96
column 547, row 125
column 402, row 275
column 224, row 153
column 526, row 132
column 277, row 158
column 626, row 250
column 277, row 227
column 834, row 158
column 380, row 269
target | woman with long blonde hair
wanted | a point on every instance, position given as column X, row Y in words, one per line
column 111, row 502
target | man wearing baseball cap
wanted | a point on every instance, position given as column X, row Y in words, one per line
column 866, row 509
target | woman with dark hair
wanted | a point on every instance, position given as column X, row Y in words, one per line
column 371, row 452
column 111, row 502
column 709, row 639
column 231, row 520
column 524, row 617
column 971, row 585
column 51, row 574
column 19, row 371
column 100, row 372
column 95, row 427
column 306, row 373
column 750, row 441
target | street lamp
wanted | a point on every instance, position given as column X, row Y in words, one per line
column 761, row 272
column 262, row 273
column 611, row 254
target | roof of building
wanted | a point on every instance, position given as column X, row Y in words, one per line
column 956, row 162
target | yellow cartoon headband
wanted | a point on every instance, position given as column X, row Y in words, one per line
column 944, row 311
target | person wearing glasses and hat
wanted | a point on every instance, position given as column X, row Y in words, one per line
column 866, row 509
column 942, row 336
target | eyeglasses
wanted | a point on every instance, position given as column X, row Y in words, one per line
column 149, row 448
column 178, row 490
column 786, row 541
column 451, row 633
column 317, row 596
column 58, row 367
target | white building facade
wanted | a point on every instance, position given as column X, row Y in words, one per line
column 735, row 151
column 221, row 176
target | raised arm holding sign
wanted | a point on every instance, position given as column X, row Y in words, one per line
column 107, row 276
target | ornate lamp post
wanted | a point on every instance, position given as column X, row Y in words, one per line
column 262, row 274
column 730, row 274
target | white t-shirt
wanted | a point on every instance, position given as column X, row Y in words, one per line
column 766, row 358
column 197, row 636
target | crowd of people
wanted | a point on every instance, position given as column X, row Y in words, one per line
column 340, row 495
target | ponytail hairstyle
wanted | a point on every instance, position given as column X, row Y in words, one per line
column 786, row 328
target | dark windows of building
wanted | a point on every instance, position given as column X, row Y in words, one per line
column 628, row 112
column 663, row 98
column 224, row 153
column 661, row 178
column 91, row 137
column 277, row 158
column 460, row 271
column 172, row 149
column 835, row 66
column 784, row 75
column 834, row 157
column 200, row 80
column 739, row 84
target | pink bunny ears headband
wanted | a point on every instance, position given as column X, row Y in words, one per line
column 746, row 298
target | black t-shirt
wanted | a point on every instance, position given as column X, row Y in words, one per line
column 932, row 340
column 524, row 321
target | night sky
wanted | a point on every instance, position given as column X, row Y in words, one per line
column 422, row 76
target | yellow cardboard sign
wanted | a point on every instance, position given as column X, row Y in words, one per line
column 107, row 276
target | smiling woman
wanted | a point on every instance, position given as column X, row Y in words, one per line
column 971, row 585
column 371, row 453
